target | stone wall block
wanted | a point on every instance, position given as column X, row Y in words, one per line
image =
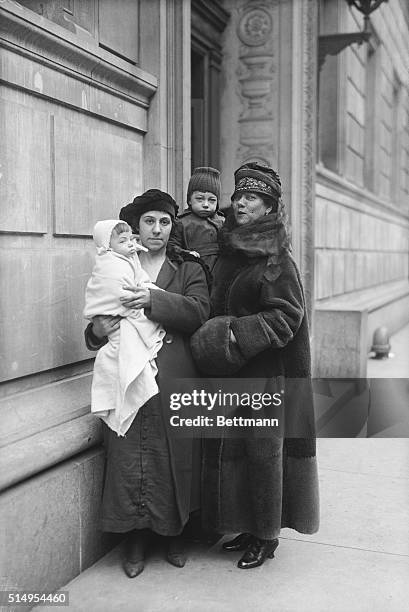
column 338, row 267
column 49, row 525
column 349, row 271
column 320, row 222
column 93, row 542
column 340, row 344
column 40, row 524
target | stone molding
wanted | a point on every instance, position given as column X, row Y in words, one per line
column 212, row 13
column 308, row 147
column 39, row 452
column 175, row 84
column 359, row 199
column 29, row 35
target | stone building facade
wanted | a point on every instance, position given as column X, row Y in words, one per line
column 362, row 189
column 101, row 100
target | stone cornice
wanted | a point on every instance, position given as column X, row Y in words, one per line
column 212, row 12
column 29, row 34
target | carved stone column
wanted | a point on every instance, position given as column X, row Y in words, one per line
column 269, row 106
column 302, row 156
column 257, row 77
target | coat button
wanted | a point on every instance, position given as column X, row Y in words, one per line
column 168, row 339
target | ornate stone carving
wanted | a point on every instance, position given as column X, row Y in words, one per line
column 256, row 75
column 254, row 154
column 255, row 27
column 256, row 87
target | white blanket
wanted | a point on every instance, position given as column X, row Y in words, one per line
column 125, row 367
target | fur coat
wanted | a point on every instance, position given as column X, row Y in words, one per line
column 260, row 484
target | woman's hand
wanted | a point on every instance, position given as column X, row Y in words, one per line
column 139, row 297
column 103, row 325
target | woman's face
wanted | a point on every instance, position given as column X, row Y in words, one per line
column 248, row 207
column 154, row 229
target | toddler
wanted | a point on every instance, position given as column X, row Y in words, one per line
column 196, row 230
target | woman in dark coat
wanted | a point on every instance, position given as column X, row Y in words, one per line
column 150, row 482
column 257, row 485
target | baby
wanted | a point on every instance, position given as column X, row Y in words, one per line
column 125, row 367
column 196, row 230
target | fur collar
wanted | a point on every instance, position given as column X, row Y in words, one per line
column 266, row 237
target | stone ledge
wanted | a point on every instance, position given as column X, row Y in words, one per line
column 336, row 188
column 366, row 299
column 26, row 414
column 36, row 453
column 344, row 328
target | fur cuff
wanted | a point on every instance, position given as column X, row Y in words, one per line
column 213, row 351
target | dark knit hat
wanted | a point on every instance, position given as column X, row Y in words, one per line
column 153, row 199
column 259, row 179
column 205, row 179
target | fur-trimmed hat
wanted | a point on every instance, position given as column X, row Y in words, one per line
column 259, row 179
column 205, row 179
column 153, row 199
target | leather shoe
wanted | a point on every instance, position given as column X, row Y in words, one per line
column 134, row 561
column 240, row 542
column 133, row 569
column 176, row 554
column 257, row 552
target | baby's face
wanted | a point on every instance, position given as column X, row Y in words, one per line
column 203, row 203
column 123, row 243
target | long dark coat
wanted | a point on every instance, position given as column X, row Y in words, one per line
column 254, row 484
column 181, row 309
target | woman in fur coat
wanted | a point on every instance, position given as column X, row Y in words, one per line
column 257, row 485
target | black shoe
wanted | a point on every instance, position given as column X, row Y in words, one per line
column 257, row 553
column 176, row 554
column 134, row 562
column 240, row 542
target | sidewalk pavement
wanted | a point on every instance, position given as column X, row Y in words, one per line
column 358, row 561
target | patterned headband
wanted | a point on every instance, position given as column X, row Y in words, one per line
column 248, row 183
